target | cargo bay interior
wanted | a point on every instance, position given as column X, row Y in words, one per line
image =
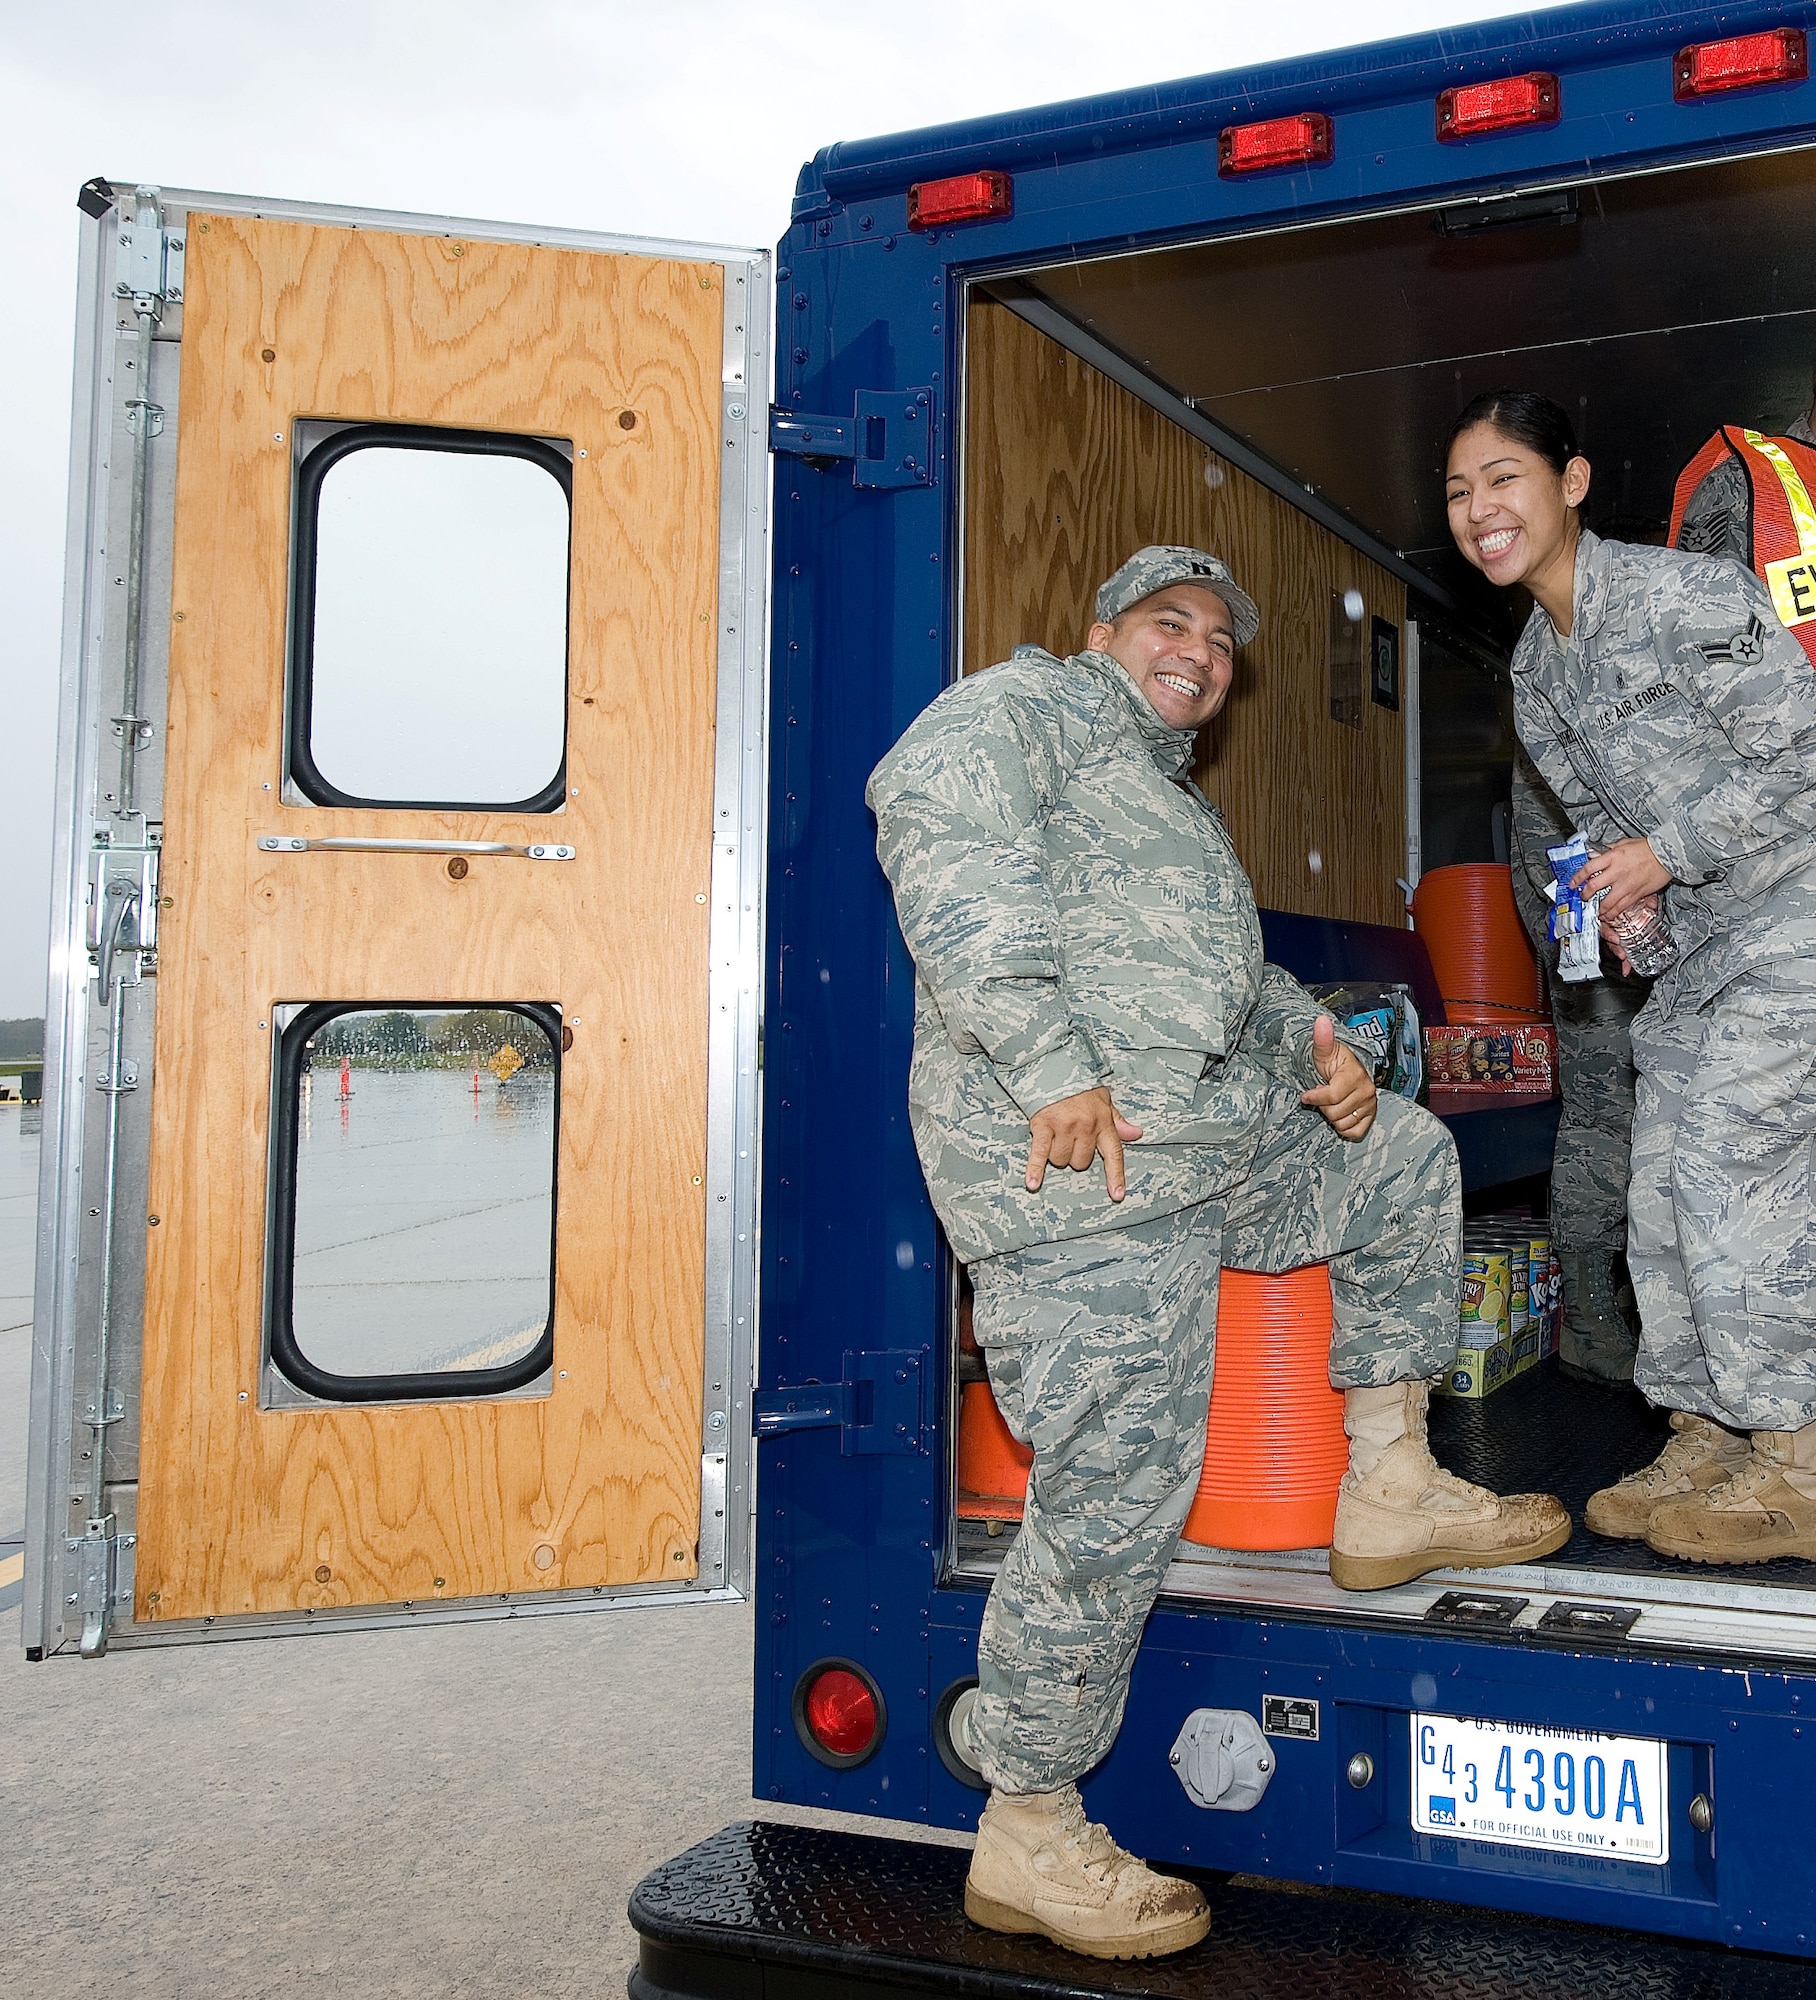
column 1282, row 398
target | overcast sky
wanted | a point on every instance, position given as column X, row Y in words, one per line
column 687, row 118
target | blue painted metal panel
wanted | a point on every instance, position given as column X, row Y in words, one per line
column 1316, row 949
column 1508, row 1143
column 1411, row 70
column 849, row 1544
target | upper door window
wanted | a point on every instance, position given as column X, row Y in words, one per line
column 429, row 619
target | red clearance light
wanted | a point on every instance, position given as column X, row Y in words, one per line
column 1779, row 55
column 1305, row 139
column 841, row 1714
column 963, row 198
column 1532, row 99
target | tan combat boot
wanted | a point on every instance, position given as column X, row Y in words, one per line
column 1698, row 1455
column 1041, row 1868
column 1399, row 1513
column 1765, row 1509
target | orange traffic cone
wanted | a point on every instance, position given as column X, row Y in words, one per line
column 1274, row 1448
column 992, row 1464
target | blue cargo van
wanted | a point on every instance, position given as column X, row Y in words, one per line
column 406, row 934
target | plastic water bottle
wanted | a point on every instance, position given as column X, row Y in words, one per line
column 1645, row 937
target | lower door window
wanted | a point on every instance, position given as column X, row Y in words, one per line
column 412, row 1232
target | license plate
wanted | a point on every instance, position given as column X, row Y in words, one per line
column 1568, row 1790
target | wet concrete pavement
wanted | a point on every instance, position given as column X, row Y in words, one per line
column 461, row 1809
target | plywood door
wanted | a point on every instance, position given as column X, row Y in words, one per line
column 245, row 1509
column 1066, row 475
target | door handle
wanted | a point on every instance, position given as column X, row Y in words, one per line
column 113, row 930
column 295, row 843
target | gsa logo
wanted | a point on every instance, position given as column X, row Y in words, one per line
column 1441, row 1812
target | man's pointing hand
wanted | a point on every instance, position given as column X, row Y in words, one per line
column 1073, row 1132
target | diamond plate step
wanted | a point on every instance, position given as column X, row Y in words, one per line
column 765, row 1912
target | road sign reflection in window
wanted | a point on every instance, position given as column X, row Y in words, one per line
column 417, row 1200
column 429, row 619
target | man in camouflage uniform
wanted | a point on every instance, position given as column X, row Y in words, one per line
column 1591, row 1168
column 1089, row 975
column 1677, row 726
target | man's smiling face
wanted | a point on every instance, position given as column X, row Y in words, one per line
column 1179, row 647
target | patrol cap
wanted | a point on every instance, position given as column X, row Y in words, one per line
column 1152, row 569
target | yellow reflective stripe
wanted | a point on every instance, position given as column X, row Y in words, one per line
column 1803, row 514
column 1792, row 580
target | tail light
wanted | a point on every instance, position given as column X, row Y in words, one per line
column 1742, row 62
column 839, row 1713
column 962, row 198
column 1472, row 108
column 1305, row 139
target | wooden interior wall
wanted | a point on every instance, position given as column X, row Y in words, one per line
column 1066, row 475
column 598, row 1482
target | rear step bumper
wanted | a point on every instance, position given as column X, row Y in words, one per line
column 766, row 1912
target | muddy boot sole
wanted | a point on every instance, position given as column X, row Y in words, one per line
column 1181, row 1935
column 1801, row 1546
column 1381, row 1572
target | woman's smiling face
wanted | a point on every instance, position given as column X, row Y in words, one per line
column 1510, row 510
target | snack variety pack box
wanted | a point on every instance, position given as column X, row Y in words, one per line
column 1521, row 1056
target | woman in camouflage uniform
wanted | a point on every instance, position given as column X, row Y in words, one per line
column 1675, row 719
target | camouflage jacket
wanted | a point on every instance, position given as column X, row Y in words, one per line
column 1681, row 711
column 1077, row 916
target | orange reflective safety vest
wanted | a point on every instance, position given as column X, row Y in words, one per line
column 1781, row 476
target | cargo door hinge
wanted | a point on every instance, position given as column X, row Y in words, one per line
column 148, row 258
column 888, row 437
column 875, row 1406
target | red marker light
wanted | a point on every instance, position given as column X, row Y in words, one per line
column 1532, row 99
column 840, row 1714
column 962, row 198
column 1743, row 62
column 1305, row 139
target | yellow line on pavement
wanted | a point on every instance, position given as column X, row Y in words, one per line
column 12, row 1569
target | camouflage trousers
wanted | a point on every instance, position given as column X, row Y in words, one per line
column 1591, row 1169
column 1721, row 1237
column 1100, row 1352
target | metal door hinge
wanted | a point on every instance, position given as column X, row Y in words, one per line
column 875, row 1406
column 148, row 258
column 888, row 437
column 1589, row 1621
column 1482, row 1610
column 103, row 1579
